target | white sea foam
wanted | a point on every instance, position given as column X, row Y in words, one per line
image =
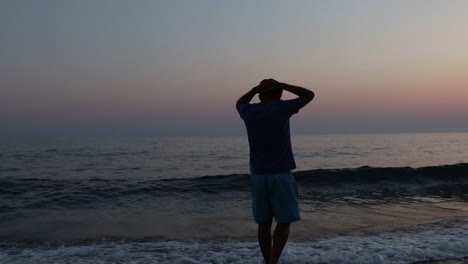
column 393, row 247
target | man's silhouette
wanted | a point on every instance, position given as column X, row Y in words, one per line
column 274, row 191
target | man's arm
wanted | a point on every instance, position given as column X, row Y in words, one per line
column 306, row 95
column 246, row 98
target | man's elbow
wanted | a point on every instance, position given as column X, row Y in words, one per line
column 311, row 95
column 239, row 102
column 307, row 98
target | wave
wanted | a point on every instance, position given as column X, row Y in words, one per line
column 393, row 248
column 372, row 175
column 27, row 193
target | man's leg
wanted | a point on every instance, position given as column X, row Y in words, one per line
column 264, row 239
column 285, row 205
column 280, row 237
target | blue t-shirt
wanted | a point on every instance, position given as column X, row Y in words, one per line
column 269, row 137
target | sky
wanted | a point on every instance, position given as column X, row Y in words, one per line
column 115, row 68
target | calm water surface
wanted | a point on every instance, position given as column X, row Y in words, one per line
column 159, row 158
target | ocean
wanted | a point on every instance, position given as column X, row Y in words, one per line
column 383, row 198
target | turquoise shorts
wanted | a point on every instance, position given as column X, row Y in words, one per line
column 275, row 195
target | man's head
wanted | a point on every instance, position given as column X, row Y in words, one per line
column 270, row 90
column 270, row 95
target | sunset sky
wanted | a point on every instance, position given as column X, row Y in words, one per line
column 175, row 68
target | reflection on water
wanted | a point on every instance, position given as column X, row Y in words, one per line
column 190, row 157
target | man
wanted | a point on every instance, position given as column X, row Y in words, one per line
column 274, row 191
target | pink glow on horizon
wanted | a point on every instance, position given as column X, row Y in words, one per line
column 160, row 62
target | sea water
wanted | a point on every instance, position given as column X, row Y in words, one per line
column 394, row 198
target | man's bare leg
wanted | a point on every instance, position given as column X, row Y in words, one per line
column 264, row 239
column 280, row 237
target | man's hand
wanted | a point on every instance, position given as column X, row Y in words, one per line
column 269, row 85
column 269, row 82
